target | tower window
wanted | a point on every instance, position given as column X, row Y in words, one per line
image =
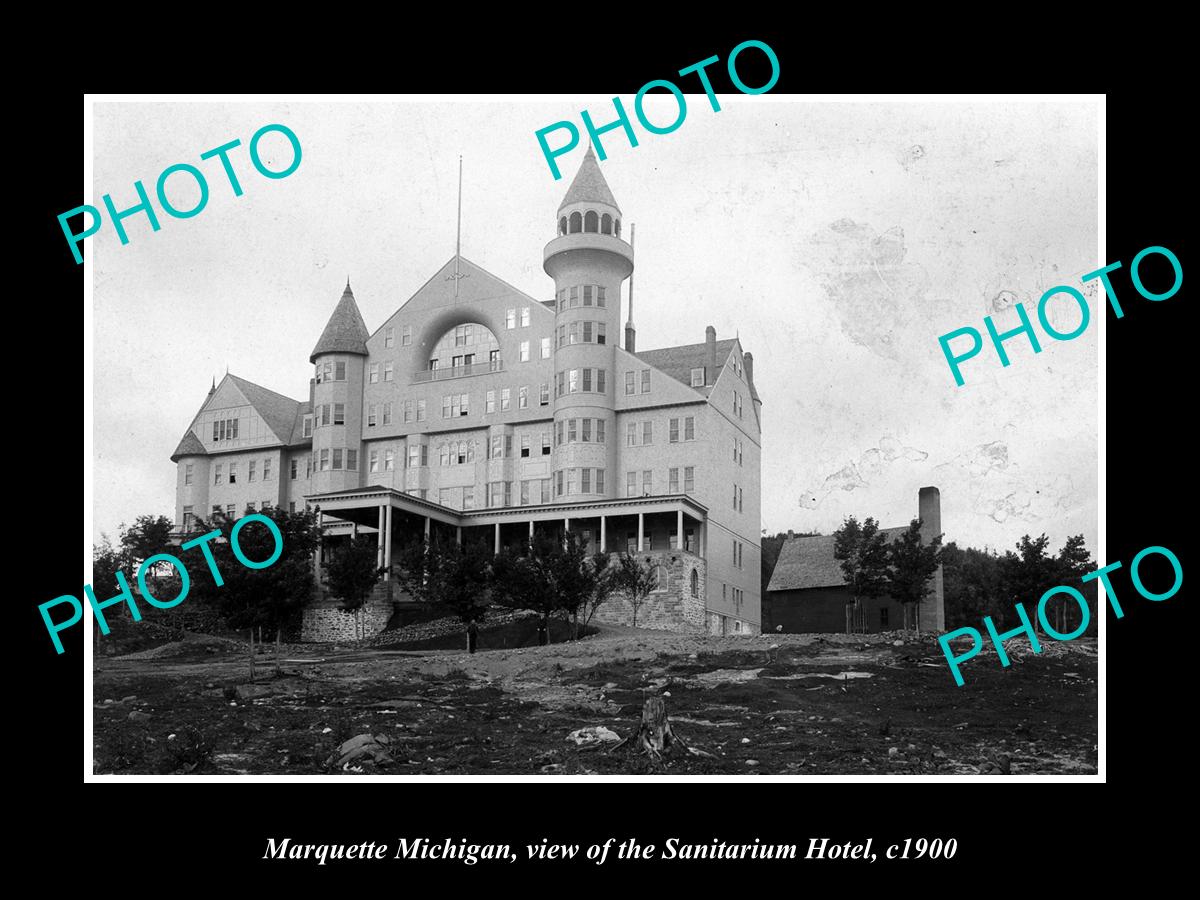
column 617, row 228
column 576, row 224
column 606, row 224
column 562, row 225
column 591, row 221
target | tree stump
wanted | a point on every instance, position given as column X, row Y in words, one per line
column 654, row 734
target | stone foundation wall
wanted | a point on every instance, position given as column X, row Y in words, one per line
column 325, row 620
column 674, row 609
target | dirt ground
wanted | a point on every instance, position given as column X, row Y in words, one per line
column 778, row 704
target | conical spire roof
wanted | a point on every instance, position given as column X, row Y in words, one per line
column 346, row 331
column 589, row 185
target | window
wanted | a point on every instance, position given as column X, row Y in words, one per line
column 647, row 483
column 294, row 468
column 523, row 397
column 689, row 428
column 524, row 316
column 505, row 398
column 558, row 482
column 308, row 465
column 645, row 381
column 631, row 484
column 573, row 381
column 660, row 578
column 600, row 381
column 420, row 410
column 628, row 382
column 571, row 434
column 883, row 617
column 545, row 443
column 370, row 415
column 389, row 460
column 489, row 403
column 587, row 295
column 337, row 459
column 329, row 370
column 545, row 348
column 229, row 511
column 462, row 334
column 741, row 498
column 233, row 473
column 374, row 463
column 408, row 410
column 387, row 371
column 524, row 493
column 647, row 432
column 187, row 518
column 510, row 318
column 389, row 337
column 689, row 479
column 187, row 473
column 339, row 370
column 558, row 433
column 600, row 333
column 352, row 460
column 672, row 481
column 251, row 467
column 574, row 296
column 587, row 380
column 325, row 417
column 737, row 404
column 695, row 583
column 373, row 373
column 266, row 470
column 559, row 384
column 631, row 434
column 544, row 395
column 308, row 426
column 387, row 413
column 418, row 455
column 496, row 447
column 735, row 496
column 573, row 333
column 585, row 430
column 468, row 498
column 524, row 446
column 524, row 351
column 585, row 481
column 689, row 540
column 405, row 335
column 571, row 481
column 324, row 459
column 599, row 481
column 698, row 377
column 588, row 334
column 216, row 511
column 454, row 405
column 339, row 414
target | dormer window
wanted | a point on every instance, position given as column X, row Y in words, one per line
column 698, row 377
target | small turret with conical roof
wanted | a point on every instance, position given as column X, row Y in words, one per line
column 346, row 332
column 340, row 358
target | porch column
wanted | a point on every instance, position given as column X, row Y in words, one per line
column 379, row 540
column 531, row 529
column 702, row 537
column 641, row 528
column 566, row 525
column 457, row 533
column 427, row 529
column 317, row 552
column 387, row 545
column 497, row 550
column 603, row 534
column 679, row 542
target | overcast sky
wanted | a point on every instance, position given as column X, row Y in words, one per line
column 837, row 240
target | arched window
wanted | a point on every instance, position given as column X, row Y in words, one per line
column 695, row 583
column 464, row 345
column 606, row 224
column 591, row 222
column 562, row 225
column 660, row 577
column 576, row 223
column 617, row 227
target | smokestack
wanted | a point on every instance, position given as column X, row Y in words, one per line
column 710, row 342
column 932, row 610
column 748, row 361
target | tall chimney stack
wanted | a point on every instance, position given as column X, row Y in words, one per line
column 932, row 609
column 748, row 361
column 710, row 346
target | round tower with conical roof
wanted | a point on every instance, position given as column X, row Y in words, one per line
column 588, row 260
column 340, row 358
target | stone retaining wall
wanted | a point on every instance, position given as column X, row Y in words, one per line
column 673, row 609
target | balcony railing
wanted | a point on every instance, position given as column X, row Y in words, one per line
column 446, row 372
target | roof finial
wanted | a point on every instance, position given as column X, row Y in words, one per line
column 348, row 291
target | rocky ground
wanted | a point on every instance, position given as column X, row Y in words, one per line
column 778, row 704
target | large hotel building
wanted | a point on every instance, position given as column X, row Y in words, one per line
column 477, row 411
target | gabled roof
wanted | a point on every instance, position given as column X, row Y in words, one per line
column 298, row 426
column 189, row 446
column 589, row 185
column 678, row 362
column 345, row 332
column 808, row 562
column 278, row 411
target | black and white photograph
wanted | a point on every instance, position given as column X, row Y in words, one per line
column 423, row 447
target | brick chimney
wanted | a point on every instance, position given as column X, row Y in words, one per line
column 748, row 363
column 933, row 608
column 710, row 347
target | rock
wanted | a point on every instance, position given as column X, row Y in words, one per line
column 610, row 686
column 360, row 748
column 129, row 699
column 745, row 740
column 752, row 762
column 326, row 730
column 893, row 751
column 593, row 737
column 170, row 737
column 897, row 643
column 138, row 716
